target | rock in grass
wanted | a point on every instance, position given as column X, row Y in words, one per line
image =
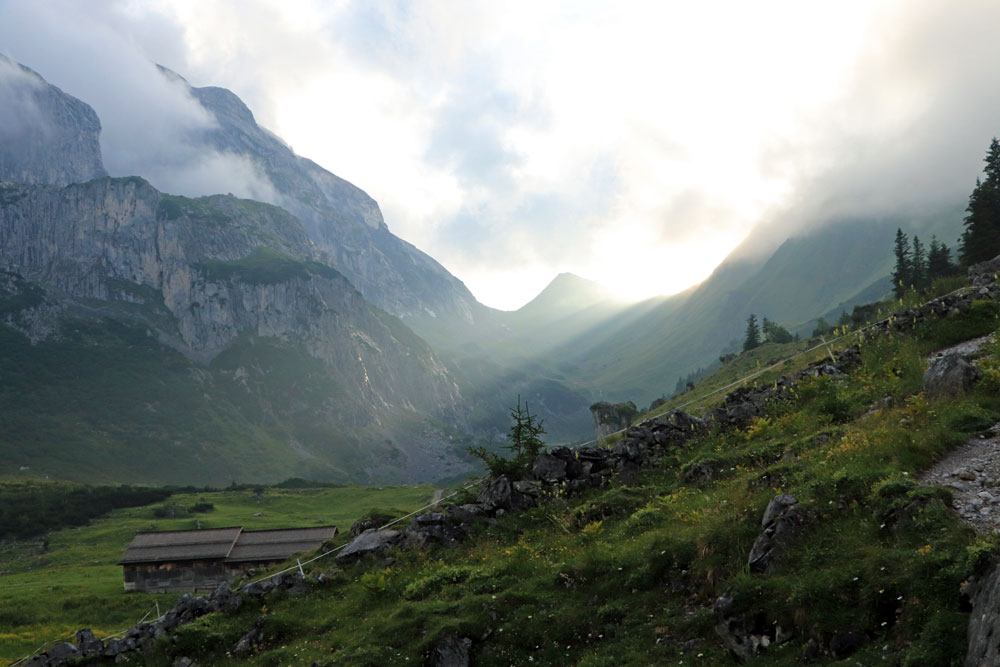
column 781, row 524
column 451, row 651
column 375, row 542
column 984, row 622
column 949, row 376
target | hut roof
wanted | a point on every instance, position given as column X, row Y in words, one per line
column 232, row 545
column 269, row 545
column 181, row 545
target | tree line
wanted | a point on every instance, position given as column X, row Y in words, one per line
column 765, row 332
column 917, row 267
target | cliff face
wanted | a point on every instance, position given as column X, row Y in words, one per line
column 206, row 263
column 46, row 136
column 342, row 220
column 287, row 357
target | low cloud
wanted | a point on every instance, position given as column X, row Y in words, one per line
column 151, row 125
column 515, row 140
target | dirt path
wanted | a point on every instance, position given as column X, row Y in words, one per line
column 436, row 498
column 972, row 471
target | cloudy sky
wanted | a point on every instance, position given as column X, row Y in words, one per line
column 631, row 143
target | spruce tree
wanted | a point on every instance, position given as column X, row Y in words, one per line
column 903, row 270
column 918, row 265
column 981, row 239
column 938, row 260
column 752, row 338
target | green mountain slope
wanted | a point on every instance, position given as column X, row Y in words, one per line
column 869, row 568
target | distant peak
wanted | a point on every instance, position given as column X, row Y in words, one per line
column 171, row 74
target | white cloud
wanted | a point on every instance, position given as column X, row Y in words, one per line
column 632, row 143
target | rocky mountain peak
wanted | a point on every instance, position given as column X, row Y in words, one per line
column 46, row 136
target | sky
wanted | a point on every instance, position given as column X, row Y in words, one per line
column 633, row 143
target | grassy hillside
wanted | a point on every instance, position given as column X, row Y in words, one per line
column 50, row 588
column 629, row 574
column 104, row 401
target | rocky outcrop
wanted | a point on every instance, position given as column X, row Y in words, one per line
column 984, row 622
column 451, row 651
column 612, row 417
column 369, row 543
column 203, row 275
column 341, row 219
column 949, row 376
column 46, row 136
column 744, row 404
column 781, row 524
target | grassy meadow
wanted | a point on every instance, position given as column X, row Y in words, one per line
column 628, row 574
column 50, row 587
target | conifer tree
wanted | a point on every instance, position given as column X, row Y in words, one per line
column 903, row 270
column 938, row 260
column 752, row 338
column 981, row 239
column 918, row 265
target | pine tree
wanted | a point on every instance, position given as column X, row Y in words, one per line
column 752, row 338
column 981, row 239
column 775, row 333
column 904, row 268
column 938, row 260
column 918, row 265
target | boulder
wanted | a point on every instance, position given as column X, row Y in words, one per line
column 985, row 273
column 225, row 599
column 451, row 651
column 249, row 643
column 60, row 654
column 88, row 644
column 467, row 514
column 549, row 468
column 499, row 494
column 697, row 474
column 612, row 417
column 781, row 524
column 371, row 542
column 949, row 376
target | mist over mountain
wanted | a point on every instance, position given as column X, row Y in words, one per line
column 226, row 299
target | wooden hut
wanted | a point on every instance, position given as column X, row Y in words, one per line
column 189, row 560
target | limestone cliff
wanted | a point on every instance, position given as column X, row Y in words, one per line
column 46, row 136
column 211, row 275
column 343, row 221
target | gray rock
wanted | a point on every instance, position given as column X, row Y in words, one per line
column 46, row 136
column 499, row 494
column 949, row 376
column 549, row 468
column 88, row 644
column 183, row 661
column 697, row 474
column 370, row 542
column 451, row 651
column 781, row 525
column 250, row 642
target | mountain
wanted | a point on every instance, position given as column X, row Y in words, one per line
column 228, row 346
column 600, row 350
column 344, row 222
column 46, row 136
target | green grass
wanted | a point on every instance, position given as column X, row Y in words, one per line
column 75, row 583
column 628, row 574
column 264, row 266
